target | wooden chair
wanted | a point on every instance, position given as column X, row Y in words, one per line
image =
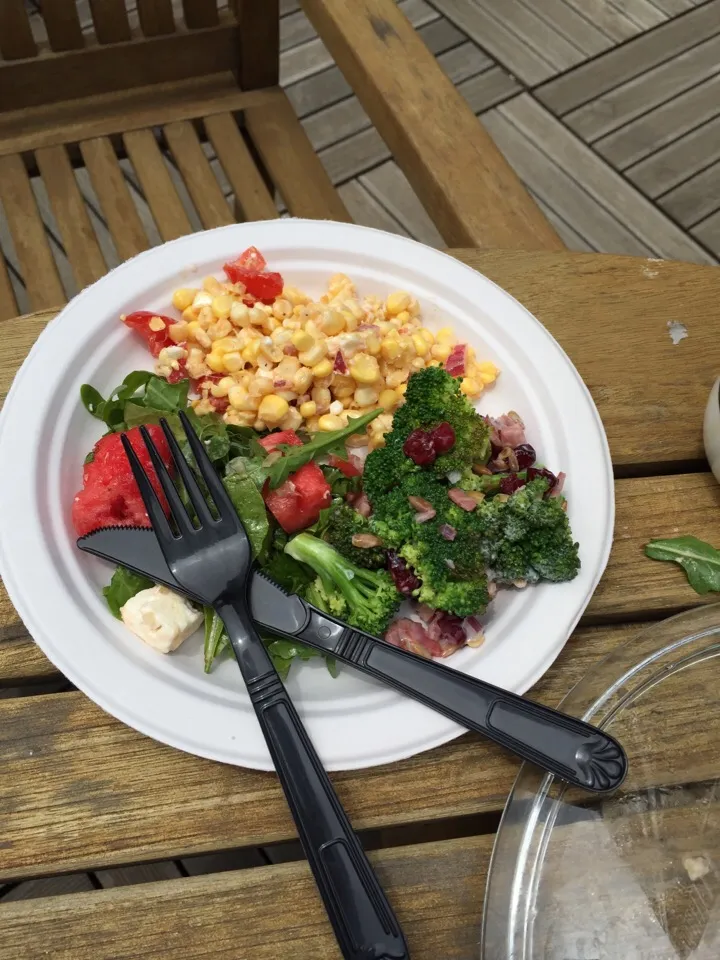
column 114, row 99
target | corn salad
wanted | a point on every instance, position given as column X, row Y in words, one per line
column 301, row 362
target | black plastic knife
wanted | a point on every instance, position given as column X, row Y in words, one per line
column 568, row 747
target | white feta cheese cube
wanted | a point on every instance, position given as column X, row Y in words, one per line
column 160, row 618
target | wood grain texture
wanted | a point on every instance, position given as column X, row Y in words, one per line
column 156, row 17
column 116, row 67
column 252, row 197
column 200, row 13
column 16, row 39
column 29, row 238
column 78, row 236
column 22, row 661
column 166, row 206
column 110, row 20
column 202, row 185
column 258, row 44
column 467, row 187
column 291, row 161
column 435, row 888
column 112, row 113
column 63, row 25
column 8, row 303
column 114, row 196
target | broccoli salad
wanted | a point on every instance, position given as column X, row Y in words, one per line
column 434, row 513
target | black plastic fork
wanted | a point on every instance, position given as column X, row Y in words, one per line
column 211, row 558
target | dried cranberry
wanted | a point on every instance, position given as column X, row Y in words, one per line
column 420, row 448
column 402, row 574
column 443, row 438
column 495, row 450
column 525, row 456
column 534, row 473
column 511, row 483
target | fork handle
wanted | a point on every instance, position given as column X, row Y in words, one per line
column 363, row 921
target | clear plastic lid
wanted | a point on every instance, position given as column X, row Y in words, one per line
column 636, row 875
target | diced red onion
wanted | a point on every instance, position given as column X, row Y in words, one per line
column 447, row 532
column 340, row 366
column 362, row 505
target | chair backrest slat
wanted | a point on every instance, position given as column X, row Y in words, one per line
column 156, row 17
column 63, row 25
column 200, row 13
column 110, row 20
column 16, row 39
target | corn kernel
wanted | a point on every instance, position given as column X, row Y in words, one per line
column 250, row 353
column 366, row 396
column 189, row 314
column 421, row 345
column 364, row 368
column 302, row 340
column 295, row 296
column 372, row 345
column 212, row 286
column 221, row 305
column 282, row 309
column 390, row 348
column 338, row 282
column 273, row 408
column 414, row 308
column 322, row 369
column 202, row 299
column 223, row 388
column 287, row 368
column 322, row 398
column 197, row 333
column 257, row 316
column 440, row 351
column 403, row 317
column 239, row 314
column 397, row 302
column 308, row 409
column 387, row 399
column 400, row 389
column 233, row 361
column 332, row 323
column 178, row 332
column 302, row 379
column 330, row 421
column 314, row 355
column 396, row 377
column 216, row 362
column 470, row 387
column 183, row 298
column 336, row 407
column 417, row 364
column 260, row 386
column 427, row 336
column 220, row 329
column 445, row 336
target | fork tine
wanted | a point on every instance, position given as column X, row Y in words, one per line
column 213, row 481
column 197, row 498
column 177, row 507
column 152, row 504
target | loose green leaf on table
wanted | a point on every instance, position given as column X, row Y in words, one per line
column 699, row 560
column 124, row 585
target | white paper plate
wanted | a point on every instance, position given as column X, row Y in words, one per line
column 45, row 434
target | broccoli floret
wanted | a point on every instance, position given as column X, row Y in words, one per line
column 434, row 397
column 393, row 517
column 386, row 467
column 342, row 525
column 526, row 537
column 443, row 585
column 366, row 599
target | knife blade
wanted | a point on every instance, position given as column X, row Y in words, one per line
column 138, row 549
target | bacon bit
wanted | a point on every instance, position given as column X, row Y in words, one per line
column 424, row 516
column 362, row 505
column 447, row 532
column 412, row 636
column 290, row 350
column 507, row 430
column 280, row 383
column 462, row 499
column 473, row 623
column 448, row 632
column 420, row 503
column 366, row 540
column 340, row 366
column 481, row 470
column 455, row 363
column 425, row 612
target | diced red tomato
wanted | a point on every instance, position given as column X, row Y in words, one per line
column 273, row 440
column 249, row 269
column 297, row 503
column 344, row 466
column 110, row 495
column 139, row 321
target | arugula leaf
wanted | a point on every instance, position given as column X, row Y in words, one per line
column 699, row 560
column 251, row 467
column 322, row 444
column 287, row 572
column 339, row 483
column 216, row 640
column 124, row 585
column 250, row 507
column 169, row 397
column 92, row 400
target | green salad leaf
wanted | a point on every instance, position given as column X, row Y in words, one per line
column 216, row 640
column 699, row 560
column 322, row 444
column 250, row 507
column 124, row 585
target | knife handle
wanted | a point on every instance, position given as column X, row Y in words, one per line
column 570, row 748
column 363, row 921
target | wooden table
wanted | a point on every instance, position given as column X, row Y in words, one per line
column 79, row 790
